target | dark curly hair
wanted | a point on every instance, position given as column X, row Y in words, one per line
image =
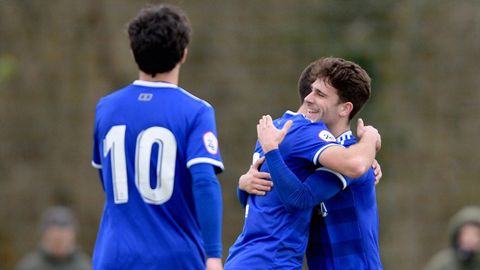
column 304, row 85
column 351, row 81
column 158, row 38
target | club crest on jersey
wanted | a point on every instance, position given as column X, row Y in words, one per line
column 326, row 136
column 211, row 142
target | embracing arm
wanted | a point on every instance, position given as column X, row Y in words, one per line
column 355, row 160
column 253, row 182
column 295, row 195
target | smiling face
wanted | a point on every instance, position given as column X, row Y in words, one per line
column 347, row 81
column 324, row 104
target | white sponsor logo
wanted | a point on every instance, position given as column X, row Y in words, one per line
column 326, row 136
column 145, row 97
column 211, row 142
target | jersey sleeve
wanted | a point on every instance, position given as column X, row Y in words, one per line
column 242, row 195
column 202, row 143
column 295, row 195
column 313, row 140
column 342, row 180
column 96, row 157
column 369, row 176
column 208, row 205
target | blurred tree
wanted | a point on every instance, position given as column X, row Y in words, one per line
column 57, row 59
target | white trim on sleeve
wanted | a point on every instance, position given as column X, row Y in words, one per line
column 96, row 166
column 317, row 155
column 205, row 160
column 340, row 177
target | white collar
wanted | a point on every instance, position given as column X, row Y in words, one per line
column 291, row 113
column 154, row 84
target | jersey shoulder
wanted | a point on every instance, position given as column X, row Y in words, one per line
column 347, row 139
column 317, row 130
column 141, row 91
column 193, row 98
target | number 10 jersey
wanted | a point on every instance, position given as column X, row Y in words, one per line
column 146, row 136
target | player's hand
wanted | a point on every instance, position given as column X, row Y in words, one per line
column 254, row 181
column 268, row 135
column 214, row 264
column 363, row 130
column 377, row 171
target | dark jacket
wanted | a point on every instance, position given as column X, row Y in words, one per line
column 452, row 258
column 40, row 260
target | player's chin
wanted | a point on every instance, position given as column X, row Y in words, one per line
column 313, row 116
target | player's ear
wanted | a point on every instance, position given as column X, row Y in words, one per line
column 184, row 58
column 345, row 109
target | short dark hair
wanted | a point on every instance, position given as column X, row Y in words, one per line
column 305, row 82
column 158, row 38
column 349, row 79
column 59, row 216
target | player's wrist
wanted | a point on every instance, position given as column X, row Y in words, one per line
column 273, row 155
column 269, row 147
column 214, row 264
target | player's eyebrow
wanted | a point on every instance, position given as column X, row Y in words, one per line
column 318, row 91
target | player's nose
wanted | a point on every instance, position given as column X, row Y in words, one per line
column 308, row 99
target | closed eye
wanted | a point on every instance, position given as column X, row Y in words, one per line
column 320, row 93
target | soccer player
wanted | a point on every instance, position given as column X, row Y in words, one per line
column 344, row 231
column 273, row 237
column 346, row 236
column 157, row 150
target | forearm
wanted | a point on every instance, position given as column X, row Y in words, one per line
column 353, row 161
column 208, row 206
column 364, row 152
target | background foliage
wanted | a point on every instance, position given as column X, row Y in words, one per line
column 58, row 57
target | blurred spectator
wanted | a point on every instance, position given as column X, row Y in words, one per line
column 57, row 249
column 463, row 253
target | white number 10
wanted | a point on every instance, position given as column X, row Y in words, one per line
column 114, row 144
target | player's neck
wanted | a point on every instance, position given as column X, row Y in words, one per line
column 169, row 77
column 339, row 128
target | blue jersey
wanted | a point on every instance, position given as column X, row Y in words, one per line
column 347, row 237
column 272, row 237
column 146, row 137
